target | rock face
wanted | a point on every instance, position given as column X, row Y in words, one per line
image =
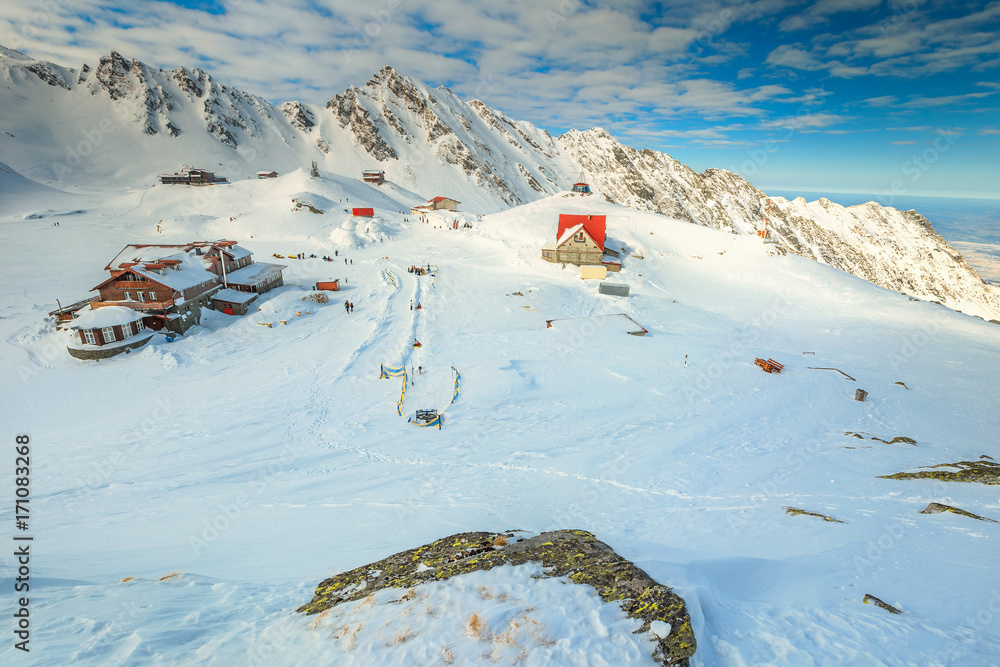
column 423, row 138
column 574, row 554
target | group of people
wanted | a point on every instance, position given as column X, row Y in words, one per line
column 418, row 270
column 348, row 306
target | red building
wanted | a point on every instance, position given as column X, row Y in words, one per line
column 363, row 212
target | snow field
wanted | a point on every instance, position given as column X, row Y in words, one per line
column 242, row 453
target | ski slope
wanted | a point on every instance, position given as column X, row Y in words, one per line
column 256, row 460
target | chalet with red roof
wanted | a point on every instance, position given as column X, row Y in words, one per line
column 580, row 240
column 164, row 287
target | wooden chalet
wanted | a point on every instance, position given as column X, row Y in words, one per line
column 375, row 176
column 267, row 174
column 163, row 287
column 579, row 240
column 192, row 176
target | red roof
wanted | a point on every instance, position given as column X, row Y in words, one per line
column 369, row 212
column 595, row 226
column 575, row 184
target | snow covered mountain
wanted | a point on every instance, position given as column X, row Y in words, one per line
column 124, row 122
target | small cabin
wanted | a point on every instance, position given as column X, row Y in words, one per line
column 267, row 174
column 375, row 176
column 233, row 302
column 363, row 212
column 328, row 285
column 581, row 187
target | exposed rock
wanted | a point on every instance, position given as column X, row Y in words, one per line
column 937, row 508
column 983, row 472
column 871, row 599
column 795, row 511
column 299, row 205
column 299, row 116
column 47, row 73
column 574, row 554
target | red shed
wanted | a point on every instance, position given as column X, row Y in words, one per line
column 329, row 285
column 594, row 225
column 364, row 212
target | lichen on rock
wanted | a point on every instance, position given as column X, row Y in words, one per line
column 795, row 511
column 983, row 472
column 871, row 599
column 574, row 554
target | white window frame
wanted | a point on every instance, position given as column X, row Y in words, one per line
column 152, row 296
column 127, row 296
column 140, row 297
column 88, row 337
column 108, row 334
column 126, row 330
column 139, row 326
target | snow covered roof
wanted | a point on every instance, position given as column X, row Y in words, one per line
column 234, row 296
column 139, row 252
column 181, row 271
column 237, row 251
column 253, row 274
column 107, row 316
column 440, row 199
column 568, row 234
column 594, row 225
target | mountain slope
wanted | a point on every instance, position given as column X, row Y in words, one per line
column 124, row 122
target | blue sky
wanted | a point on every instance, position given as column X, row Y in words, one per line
column 892, row 98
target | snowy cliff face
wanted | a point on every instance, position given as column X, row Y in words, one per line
column 422, row 136
column 429, row 141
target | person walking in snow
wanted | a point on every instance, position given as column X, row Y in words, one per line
column 345, row 260
column 347, row 305
column 352, row 307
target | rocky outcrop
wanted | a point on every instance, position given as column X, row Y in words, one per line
column 983, row 472
column 937, row 508
column 574, row 554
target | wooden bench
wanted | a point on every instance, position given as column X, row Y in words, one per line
column 769, row 365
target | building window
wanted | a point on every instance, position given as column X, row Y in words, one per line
column 88, row 337
column 139, row 326
column 140, row 296
column 127, row 296
column 152, row 296
column 108, row 334
column 126, row 330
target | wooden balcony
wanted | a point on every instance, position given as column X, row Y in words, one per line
column 136, row 305
column 133, row 284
